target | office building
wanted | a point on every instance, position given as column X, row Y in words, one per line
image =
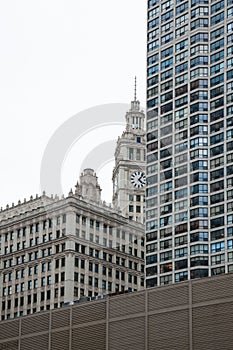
column 57, row 250
column 189, row 140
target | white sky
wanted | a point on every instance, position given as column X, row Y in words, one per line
column 57, row 59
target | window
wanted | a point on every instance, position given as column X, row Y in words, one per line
column 217, row 33
column 217, row 68
column 168, row 15
column 199, row 49
column 181, row 170
column 200, row 11
column 167, row 52
column 181, row 8
column 153, row 12
column 181, row 228
column 199, row 95
column 199, row 37
column 216, row 45
column 164, row 87
column 166, row 97
column 182, row 45
column 198, row 142
column 181, row 264
column 151, row 248
column 229, row 30
column 152, row 59
column 217, row 222
column 167, row 63
column 199, row 212
column 217, row 18
column 218, row 234
column 181, row 79
column 152, row 3
column 217, row 150
column 181, row 101
column 166, row 186
column 96, row 282
column 180, row 114
column 180, row 205
column 152, row 70
column 181, row 276
column 180, row 240
column 199, row 236
column 182, row 19
column 181, row 56
column 216, row 7
column 217, row 56
column 217, row 91
column 166, row 75
column 166, row 38
column 181, row 216
column 166, row 244
column 230, row 12
column 151, row 259
column 217, row 80
column 181, row 193
column 200, row 188
column 166, row 5
column 181, row 181
column 183, row 134
column 199, row 60
column 181, row 31
column 217, row 138
column 166, row 152
column 216, row 174
column 181, row 252
column 166, row 256
column 199, row 72
column 217, row 247
column 154, row 23
column 199, row 23
column 181, row 90
column 167, row 27
column 153, row 45
column 199, row 249
column 181, row 68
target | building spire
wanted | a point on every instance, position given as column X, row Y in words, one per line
column 135, row 104
column 135, row 89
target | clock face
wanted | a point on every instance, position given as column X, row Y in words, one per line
column 138, row 179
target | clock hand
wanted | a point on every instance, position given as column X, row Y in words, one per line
column 141, row 177
column 142, row 182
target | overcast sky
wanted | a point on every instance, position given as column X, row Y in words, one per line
column 59, row 58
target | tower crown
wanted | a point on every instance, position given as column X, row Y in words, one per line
column 134, row 117
column 135, row 104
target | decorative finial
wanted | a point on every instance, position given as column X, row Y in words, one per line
column 135, row 89
column 71, row 192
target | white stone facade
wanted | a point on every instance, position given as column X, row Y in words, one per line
column 56, row 250
column 130, row 164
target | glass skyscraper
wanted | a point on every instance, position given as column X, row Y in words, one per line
column 189, row 214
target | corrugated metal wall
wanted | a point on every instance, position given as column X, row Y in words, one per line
column 194, row 315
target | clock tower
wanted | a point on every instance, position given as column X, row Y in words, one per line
column 129, row 180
